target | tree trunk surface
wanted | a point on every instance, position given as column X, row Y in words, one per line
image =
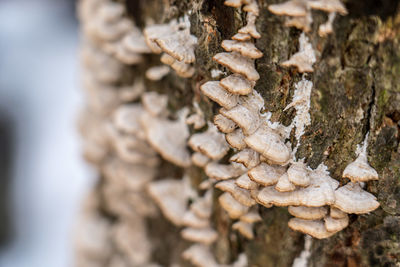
column 356, row 90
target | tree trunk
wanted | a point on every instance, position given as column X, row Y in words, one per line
column 356, row 90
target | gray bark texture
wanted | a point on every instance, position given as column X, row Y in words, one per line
column 356, row 90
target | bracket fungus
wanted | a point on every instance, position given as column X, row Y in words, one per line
column 359, row 170
column 295, row 8
column 270, row 145
column 168, row 137
column 265, row 174
column 217, row 93
column 237, row 84
column 308, row 213
column 305, row 58
column 299, row 12
column 236, row 139
column 238, row 64
column 245, row 182
column 210, row 143
column 126, row 127
column 241, row 195
column 311, row 227
column 247, row 49
column 156, row 73
column 248, row 157
column 204, row 236
column 284, row 185
column 224, row 171
column 298, row 174
column 335, row 225
column 245, row 228
column 233, row 207
column 224, row 124
column 351, row 198
column 168, row 195
column 196, row 119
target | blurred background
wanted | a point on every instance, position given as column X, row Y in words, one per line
column 43, row 177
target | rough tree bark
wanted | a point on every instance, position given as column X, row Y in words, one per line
column 356, row 90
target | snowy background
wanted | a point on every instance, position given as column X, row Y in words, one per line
column 40, row 96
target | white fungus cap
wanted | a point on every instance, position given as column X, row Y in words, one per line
column 202, row 207
column 217, row 93
column 155, row 103
column 132, row 92
column 224, row 124
column 328, row 6
column 179, row 45
column 168, row 138
column 313, row 228
column 269, row 144
column 134, row 42
column 359, row 170
column 351, row 198
column 167, row 193
column 319, row 193
column 232, row 206
column 305, row 58
column 133, row 177
column 294, row 8
column 156, row 73
column 337, row 213
column 131, row 239
column 151, row 33
column 199, row 159
column 247, row 113
column 301, row 23
column 211, row 143
column 241, row 37
column 308, row 213
column 245, row 182
column 265, row 174
column 200, row 256
column 241, row 195
column 327, row 27
column 244, row 228
column 197, row 119
column 284, row 185
column 247, row 49
column 236, row 139
column 251, row 217
column 238, row 64
column 250, row 27
column 223, row 171
column 233, row 3
column 298, row 174
column 204, row 236
column 248, row 157
column 190, row 219
column 237, row 84
column 335, row 225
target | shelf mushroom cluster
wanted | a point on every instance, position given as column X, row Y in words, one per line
column 127, row 128
column 175, row 44
column 120, row 125
column 237, row 120
column 323, row 222
column 264, row 170
column 299, row 13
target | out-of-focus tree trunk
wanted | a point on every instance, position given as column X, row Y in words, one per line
column 356, row 90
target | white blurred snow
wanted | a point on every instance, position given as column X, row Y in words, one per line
column 39, row 89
